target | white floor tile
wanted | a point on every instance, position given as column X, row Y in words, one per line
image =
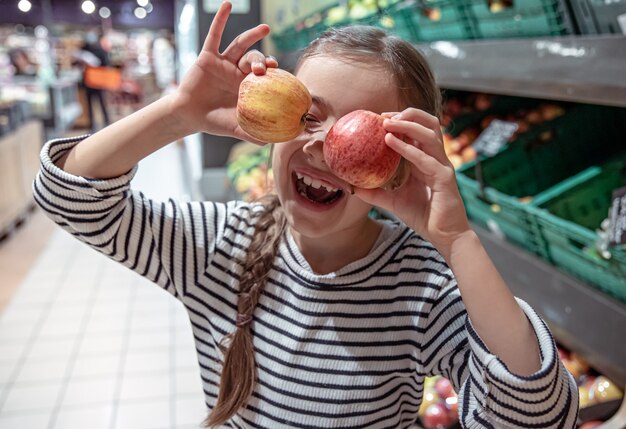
column 16, row 332
column 149, row 340
column 187, row 382
column 143, row 415
column 186, row 358
column 12, row 351
column 90, row 391
column 25, row 420
column 96, row 366
column 51, row 349
column 147, row 361
column 90, row 417
column 16, row 313
column 147, row 386
column 101, row 325
column 8, row 370
column 101, row 344
column 190, row 410
column 62, row 329
column 41, row 397
column 33, row 371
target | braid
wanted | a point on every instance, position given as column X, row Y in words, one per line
column 239, row 371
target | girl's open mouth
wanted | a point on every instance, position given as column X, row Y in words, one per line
column 315, row 191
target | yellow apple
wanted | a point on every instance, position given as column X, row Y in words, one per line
column 272, row 107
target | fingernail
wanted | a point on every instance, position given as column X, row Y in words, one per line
column 257, row 64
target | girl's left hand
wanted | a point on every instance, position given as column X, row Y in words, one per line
column 429, row 201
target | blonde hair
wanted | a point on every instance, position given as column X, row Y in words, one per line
column 416, row 87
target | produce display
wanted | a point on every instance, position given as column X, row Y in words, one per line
column 272, row 107
column 251, row 175
column 439, row 409
column 593, row 389
column 465, row 117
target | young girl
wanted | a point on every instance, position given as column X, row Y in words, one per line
column 306, row 312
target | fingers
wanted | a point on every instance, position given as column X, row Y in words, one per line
column 214, row 38
column 423, row 129
column 429, row 169
column 244, row 42
column 255, row 61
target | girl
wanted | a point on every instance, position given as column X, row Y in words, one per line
column 306, row 312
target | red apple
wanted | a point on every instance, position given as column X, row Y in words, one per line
column 452, row 407
column 444, row 388
column 355, row 150
column 436, row 417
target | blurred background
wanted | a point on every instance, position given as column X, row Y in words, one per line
column 534, row 122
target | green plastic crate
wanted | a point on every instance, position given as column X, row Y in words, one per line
column 526, row 168
column 395, row 19
column 568, row 216
column 525, row 18
column 448, row 20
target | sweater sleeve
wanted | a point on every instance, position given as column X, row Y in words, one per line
column 490, row 395
column 167, row 242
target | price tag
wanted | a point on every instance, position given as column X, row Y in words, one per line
column 496, row 135
column 617, row 226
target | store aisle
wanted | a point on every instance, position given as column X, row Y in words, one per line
column 86, row 343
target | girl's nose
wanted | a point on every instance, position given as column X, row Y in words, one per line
column 313, row 149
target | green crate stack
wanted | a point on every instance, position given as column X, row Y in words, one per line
column 395, row 19
column 569, row 216
column 516, row 177
column 524, row 18
column 441, row 20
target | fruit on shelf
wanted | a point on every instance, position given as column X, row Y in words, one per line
column 604, row 390
column 356, row 152
column 436, row 417
column 272, row 107
column 444, row 388
column 432, row 13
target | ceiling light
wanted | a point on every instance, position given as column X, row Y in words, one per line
column 88, row 7
column 24, row 5
column 149, row 8
column 104, row 12
column 140, row 13
column 143, row 3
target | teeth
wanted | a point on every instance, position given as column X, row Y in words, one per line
column 314, row 183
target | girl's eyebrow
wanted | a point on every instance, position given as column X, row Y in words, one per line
column 322, row 103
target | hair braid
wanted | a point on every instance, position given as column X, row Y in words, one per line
column 239, row 371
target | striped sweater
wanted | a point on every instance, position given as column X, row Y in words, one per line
column 348, row 349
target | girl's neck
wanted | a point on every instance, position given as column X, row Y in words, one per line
column 330, row 253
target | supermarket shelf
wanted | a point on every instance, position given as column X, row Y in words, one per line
column 588, row 69
column 580, row 317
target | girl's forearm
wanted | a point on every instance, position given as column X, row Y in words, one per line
column 116, row 149
column 491, row 306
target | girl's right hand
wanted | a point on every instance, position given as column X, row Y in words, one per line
column 206, row 99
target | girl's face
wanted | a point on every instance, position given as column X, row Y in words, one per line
column 316, row 202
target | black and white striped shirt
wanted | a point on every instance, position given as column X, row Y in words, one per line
column 348, row 349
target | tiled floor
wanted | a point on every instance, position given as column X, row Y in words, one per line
column 86, row 343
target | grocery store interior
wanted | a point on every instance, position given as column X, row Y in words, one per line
column 534, row 122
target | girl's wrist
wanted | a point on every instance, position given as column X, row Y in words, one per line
column 456, row 244
column 177, row 117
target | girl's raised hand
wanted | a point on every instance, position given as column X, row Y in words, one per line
column 429, row 201
column 206, row 99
